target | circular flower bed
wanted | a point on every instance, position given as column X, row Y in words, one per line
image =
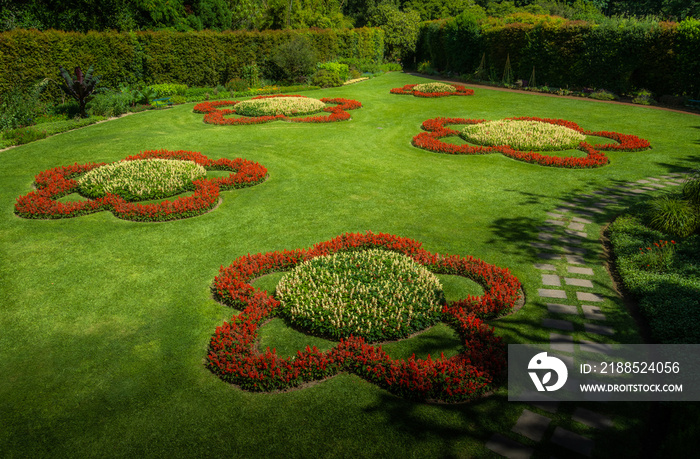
column 523, row 135
column 272, row 106
column 55, row 183
column 141, row 179
column 595, row 156
column 215, row 113
column 234, row 355
column 375, row 294
column 433, row 90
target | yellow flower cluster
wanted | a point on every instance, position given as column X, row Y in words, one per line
column 434, row 87
column 141, row 179
column 372, row 293
column 523, row 135
column 288, row 106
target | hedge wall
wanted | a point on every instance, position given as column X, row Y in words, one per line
column 195, row 58
column 617, row 55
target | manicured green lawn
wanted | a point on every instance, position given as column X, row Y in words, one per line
column 105, row 323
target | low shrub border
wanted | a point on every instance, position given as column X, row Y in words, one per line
column 408, row 90
column 60, row 181
column 234, row 357
column 595, row 156
column 214, row 114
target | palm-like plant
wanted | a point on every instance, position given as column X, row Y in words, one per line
column 81, row 87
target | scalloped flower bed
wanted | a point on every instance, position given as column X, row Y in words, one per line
column 523, row 135
column 433, row 90
column 595, row 156
column 375, row 294
column 55, row 183
column 215, row 113
column 234, row 355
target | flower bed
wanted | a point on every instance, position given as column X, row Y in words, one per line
column 55, row 183
column 234, row 356
column 375, row 294
column 595, row 156
column 433, row 90
column 214, row 113
column 523, row 135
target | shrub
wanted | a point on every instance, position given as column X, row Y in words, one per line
column 168, row 89
column 79, row 88
column 110, row 104
column 17, row 109
column 296, row 59
column 602, row 94
column 691, row 189
column 326, row 79
column 342, row 70
column 234, row 85
column 643, row 97
column 177, row 100
column 674, row 215
column 251, row 75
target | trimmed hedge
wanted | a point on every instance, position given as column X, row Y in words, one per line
column 193, row 58
column 619, row 55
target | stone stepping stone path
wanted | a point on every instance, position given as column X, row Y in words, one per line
column 571, row 297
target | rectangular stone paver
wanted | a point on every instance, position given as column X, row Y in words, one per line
column 508, row 448
column 575, row 259
column 545, row 267
column 591, row 419
column 558, row 324
column 555, row 215
column 587, row 296
column 576, row 250
column 592, row 312
column 531, row 425
column 551, row 293
column 551, row 279
column 599, row 329
column 549, row 256
column 545, row 236
column 593, row 347
column 561, row 343
column 542, row 246
column 576, row 233
column 581, row 220
column 577, row 226
column 573, row 441
column 578, row 270
column 549, row 406
column 555, row 222
column 558, row 308
column 571, row 240
column 578, row 282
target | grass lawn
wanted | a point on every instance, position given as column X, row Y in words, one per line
column 105, row 323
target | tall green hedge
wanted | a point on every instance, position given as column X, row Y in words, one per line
column 194, row 58
column 619, row 55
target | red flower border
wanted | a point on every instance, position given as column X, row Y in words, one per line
column 234, row 356
column 408, row 90
column 214, row 114
column 55, row 183
column 595, row 157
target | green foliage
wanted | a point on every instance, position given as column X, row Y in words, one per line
column 325, row 78
column 643, row 97
column 234, row 85
column 295, row 58
column 168, row 89
column 251, row 74
column 674, row 215
column 18, row 109
column 401, row 31
column 110, row 104
column 342, row 70
column 602, row 94
column 691, row 189
column 22, row 135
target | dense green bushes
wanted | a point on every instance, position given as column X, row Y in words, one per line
column 193, row 58
column 617, row 54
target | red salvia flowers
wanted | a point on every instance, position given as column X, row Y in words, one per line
column 408, row 90
column 595, row 156
column 214, row 114
column 55, row 183
column 234, row 355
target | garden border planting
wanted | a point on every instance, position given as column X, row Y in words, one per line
column 408, row 90
column 214, row 114
column 54, row 183
column 234, row 357
column 595, row 157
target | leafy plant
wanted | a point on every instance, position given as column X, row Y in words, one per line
column 23, row 135
column 237, row 85
column 643, row 97
column 81, row 88
column 658, row 256
column 296, row 59
column 326, row 79
column 110, row 104
column 691, row 189
column 251, row 75
column 602, row 94
column 674, row 215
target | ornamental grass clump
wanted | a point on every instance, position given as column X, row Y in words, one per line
column 434, row 87
column 141, row 179
column 376, row 294
column 523, row 135
column 272, row 106
column 673, row 215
